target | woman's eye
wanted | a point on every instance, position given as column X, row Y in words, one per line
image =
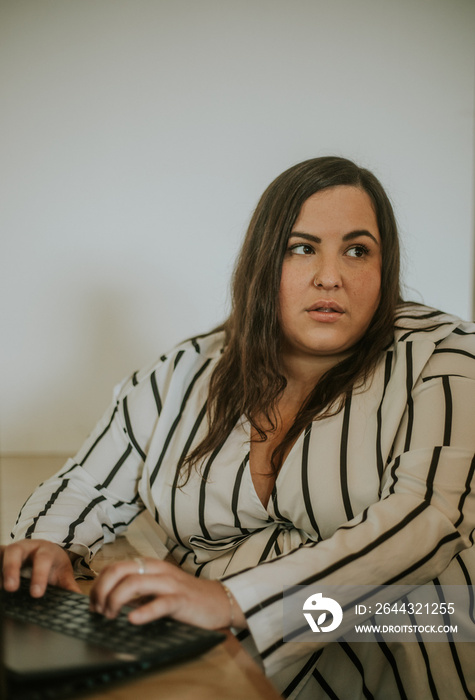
column 302, row 249
column 357, row 251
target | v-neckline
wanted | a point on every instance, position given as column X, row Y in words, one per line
column 245, row 425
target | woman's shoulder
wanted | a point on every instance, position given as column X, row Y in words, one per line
column 183, row 358
column 417, row 322
column 440, row 343
column 208, row 345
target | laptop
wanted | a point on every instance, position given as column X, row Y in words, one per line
column 55, row 648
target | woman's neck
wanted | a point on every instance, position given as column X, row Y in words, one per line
column 303, row 372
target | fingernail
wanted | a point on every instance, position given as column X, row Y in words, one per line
column 136, row 617
column 35, row 590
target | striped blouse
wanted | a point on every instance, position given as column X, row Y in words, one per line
column 378, row 494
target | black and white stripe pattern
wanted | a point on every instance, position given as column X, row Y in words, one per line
column 380, row 493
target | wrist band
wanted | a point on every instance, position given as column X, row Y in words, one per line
column 231, row 602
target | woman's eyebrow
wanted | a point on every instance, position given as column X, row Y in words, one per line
column 347, row 237
column 356, row 234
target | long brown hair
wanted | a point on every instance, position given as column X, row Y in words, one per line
column 248, row 380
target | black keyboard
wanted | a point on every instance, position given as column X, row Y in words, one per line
column 63, row 611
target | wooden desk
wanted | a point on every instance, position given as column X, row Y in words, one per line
column 224, row 673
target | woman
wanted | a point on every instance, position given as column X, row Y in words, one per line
column 320, row 436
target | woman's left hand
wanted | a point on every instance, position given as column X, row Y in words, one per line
column 163, row 589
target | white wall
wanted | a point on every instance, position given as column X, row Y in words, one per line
column 137, row 136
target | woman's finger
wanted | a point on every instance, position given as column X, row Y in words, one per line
column 197, row 602
column 111, row 576
column 12, row 560
column 42, row 563
column 65, row 579
column 161, row 606
column 133, row 587
column 167, row 591
column 49, row 562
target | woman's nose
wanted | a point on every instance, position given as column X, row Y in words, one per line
column 328, row 276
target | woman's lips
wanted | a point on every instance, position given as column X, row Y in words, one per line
column 325, row 311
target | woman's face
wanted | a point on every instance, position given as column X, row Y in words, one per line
column 331, row 274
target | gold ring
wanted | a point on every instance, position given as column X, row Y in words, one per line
column 141, row 563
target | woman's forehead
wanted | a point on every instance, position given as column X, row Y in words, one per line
column 337, row 209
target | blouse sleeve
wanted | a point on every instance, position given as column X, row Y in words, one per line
column 94, row 496
column 425, row 515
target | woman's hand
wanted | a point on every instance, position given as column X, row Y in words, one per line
column 163, row 589
column 49, row 563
